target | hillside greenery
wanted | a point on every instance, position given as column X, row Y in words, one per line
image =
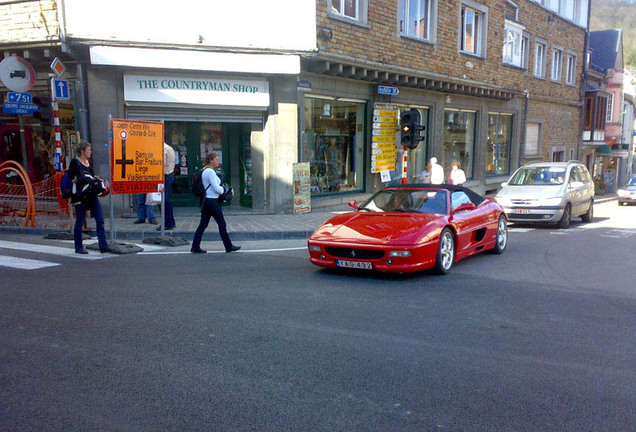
column 617, row 14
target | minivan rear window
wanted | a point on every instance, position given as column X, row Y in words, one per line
column 539, row 176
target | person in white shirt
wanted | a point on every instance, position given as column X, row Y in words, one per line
column 211, row 207
column 437, row 172
column 457, row 175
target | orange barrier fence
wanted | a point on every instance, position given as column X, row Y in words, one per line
column 19, row 198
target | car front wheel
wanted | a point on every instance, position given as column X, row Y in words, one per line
column 564, row 223
column 445, row 252
column 502, row 236
column 589, row 215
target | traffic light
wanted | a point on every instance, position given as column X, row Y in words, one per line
column 411, row 131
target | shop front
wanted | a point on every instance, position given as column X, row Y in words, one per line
column 201, row 115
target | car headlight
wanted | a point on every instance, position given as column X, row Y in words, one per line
column 400, row 253
column 551, row 201
column 622, row 193
column 314, row 248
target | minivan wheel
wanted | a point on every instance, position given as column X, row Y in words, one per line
column 587, row 217
column 564, row 223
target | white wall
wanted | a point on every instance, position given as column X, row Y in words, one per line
column 259, row 24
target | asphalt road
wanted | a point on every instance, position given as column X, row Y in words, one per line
column 540, row 339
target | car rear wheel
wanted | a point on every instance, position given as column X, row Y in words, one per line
column 445, row 252
column 502, row 236
column 587, row 217
column 564, row 223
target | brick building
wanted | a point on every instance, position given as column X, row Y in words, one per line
column 496, row 83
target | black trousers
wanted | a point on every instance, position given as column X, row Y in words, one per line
column 211, row 209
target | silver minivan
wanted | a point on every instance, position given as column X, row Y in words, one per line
column 548, row 192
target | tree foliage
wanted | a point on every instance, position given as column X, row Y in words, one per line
column 617, row 14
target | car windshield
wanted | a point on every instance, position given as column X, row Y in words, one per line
column 538, row 176
column 408, row 200
column 632, row 182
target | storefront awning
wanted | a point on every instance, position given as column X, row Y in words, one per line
column 604, row 150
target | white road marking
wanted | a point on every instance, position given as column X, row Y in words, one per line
column 24, row 263
column 52, row 250
column 520, row 230
column 168, row 252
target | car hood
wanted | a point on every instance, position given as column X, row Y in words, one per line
column 530, row 192
column 379, row 228
column 629, row 188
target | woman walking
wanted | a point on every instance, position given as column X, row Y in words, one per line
column 212, row 206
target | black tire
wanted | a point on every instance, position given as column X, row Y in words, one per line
column 589, row 215
column 501, row 240
column 564, row 223
column 445, row 252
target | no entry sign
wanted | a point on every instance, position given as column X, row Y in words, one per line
column 136, row 156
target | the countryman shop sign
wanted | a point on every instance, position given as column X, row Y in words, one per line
column 199, row 91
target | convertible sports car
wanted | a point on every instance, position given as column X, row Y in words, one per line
column 410, row 228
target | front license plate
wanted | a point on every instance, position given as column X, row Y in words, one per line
column 521, row 211
column 354, row 264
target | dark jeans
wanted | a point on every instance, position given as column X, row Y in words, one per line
column 144, row 210
column 169, row 216
column 211, row 209
column 80, row 217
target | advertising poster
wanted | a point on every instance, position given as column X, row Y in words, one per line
column 383, row 141
column 136, row 156
column 302, row 194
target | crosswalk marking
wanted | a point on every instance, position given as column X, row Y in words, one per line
column 24, row 263
column 52, row 250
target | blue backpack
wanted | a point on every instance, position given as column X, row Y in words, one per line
column 66, row 186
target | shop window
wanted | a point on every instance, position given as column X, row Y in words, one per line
column 333, row 143
column 499, row 144
column 459, row 140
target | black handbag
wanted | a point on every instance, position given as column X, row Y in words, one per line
column 227, row 195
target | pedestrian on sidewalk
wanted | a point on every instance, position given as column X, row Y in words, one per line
column 145, row 210
column 168, row 171
column 81, row 173
column 211, row 207
column 437, row 172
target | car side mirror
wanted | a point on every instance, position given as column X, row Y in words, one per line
column 354, row 205
column 504, row 184
column 464, row 207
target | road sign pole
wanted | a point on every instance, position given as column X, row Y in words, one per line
column 405, row 159
column 25, row 161
column 57, row 157
column 110, row 174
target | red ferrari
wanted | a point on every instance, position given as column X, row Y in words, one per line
column 410, row 228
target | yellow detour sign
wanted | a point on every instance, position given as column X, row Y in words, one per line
column 136, row 156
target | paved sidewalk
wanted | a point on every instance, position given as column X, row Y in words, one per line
column 242, row 224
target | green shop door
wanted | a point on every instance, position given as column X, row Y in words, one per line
column 191, row 141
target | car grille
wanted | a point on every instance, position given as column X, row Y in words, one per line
column 526, row 216
column 355, row 253
column 522, row 201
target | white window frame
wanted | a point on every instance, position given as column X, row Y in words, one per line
column 556, row 71
column 609, row 114
column 480, row 28
column 405, row 16
column 361, row 11
column 512, row 44
column 540, row 58
column 570, row 68
column 516, row 8
column 525, row 50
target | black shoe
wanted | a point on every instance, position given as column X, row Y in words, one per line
column 233, row 249
column 81, row 251
column 138, row 222
column 153, row 222
column 107, row 249
column 199, row 250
